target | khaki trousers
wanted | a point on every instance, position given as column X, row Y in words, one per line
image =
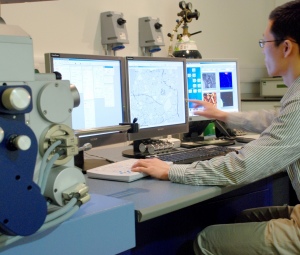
column 265, row 231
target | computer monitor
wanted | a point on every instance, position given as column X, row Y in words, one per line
column 100, row 82
column 156, row 90
column 215, row 81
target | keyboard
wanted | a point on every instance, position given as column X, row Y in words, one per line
column 118, row 171
column 121, row 170
column 195, row 154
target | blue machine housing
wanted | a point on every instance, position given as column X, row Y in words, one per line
column 23, row 208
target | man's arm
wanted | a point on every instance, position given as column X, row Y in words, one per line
column 253, row 121
column 277, row 148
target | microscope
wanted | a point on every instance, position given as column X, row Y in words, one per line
column 37, row 142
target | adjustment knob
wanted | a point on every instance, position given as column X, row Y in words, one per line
column 58, row 75
column 22, row 142
column 157, row 25
column 182, row 5
column 16, row 99
column 121, row 21
column 189, row 6
column 19, row 142
column 75, row 95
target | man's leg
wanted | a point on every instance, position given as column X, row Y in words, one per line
column 232, row 239
column 265, row 214
column 277, row 236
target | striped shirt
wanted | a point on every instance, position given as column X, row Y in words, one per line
column 277, row 149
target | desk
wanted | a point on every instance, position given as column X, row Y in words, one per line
column 95, row 229
column 169, row 215
column 147, row 216
column 153, row 198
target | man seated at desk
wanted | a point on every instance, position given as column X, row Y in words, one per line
column 274, row 230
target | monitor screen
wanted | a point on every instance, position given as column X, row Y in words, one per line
column 157, row 96
column 101, row 85
column 215, row 81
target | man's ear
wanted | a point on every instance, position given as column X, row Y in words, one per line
column 287, row 47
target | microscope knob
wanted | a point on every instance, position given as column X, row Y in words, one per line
column 58, row 75
column 121, row 21
column 22, row 142
column 16, row 99
column 157, row 25
column 75, row 95
column 19, row 142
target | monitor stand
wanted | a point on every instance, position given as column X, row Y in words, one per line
column 134, row 152
column 194, row 139
column 196, row 128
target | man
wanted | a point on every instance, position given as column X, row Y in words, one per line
column 274, row 230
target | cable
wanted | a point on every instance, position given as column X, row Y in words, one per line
column 57, row 217
column 7, row 240
column 51, row 220
column 60, row 219
column 47, row 171
column 61, row 211
column 44, row 159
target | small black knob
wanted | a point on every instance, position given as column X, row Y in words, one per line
column 157, row 25
column 121, row 21
column 58, row 75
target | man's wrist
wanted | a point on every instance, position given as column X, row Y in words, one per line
column 223, row 116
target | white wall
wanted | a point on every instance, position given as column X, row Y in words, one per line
column 230, row 28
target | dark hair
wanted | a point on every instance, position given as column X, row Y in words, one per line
column 286, row 22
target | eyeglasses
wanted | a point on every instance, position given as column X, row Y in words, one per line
column 261, row 42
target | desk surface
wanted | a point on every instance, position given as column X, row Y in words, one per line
column 97, row 225
column 151, row 197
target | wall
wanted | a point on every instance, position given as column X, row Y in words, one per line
column 230, row 28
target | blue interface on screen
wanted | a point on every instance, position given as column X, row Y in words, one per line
column 213, row 81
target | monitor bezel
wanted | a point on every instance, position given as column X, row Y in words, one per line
column 201, row 118
column 159, row 131
column 98, row 136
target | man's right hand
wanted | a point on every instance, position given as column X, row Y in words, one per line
column 209, row 110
